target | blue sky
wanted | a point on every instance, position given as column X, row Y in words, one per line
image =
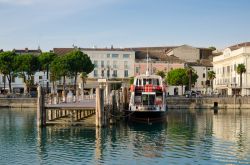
column 122, row 23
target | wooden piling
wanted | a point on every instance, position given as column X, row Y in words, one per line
column 41, row 113
column 100, row 107
column 125, row 98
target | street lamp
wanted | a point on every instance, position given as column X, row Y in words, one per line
column 234, row 84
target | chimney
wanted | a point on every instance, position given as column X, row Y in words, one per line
column 112, row 47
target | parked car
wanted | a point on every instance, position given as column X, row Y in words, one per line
column 192, row 94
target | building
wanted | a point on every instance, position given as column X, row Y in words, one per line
column 111, row 63
column 189, row 53
column 201, row 68
column 227, row 81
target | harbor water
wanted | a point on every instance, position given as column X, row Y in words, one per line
column 186, row 137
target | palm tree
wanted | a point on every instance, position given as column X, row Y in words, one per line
column 240, row 70
column 83, row 77
column 189, row 72
column 211, row 76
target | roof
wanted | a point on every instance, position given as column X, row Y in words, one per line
column 237, row 46
column 203, row 62
column 26, row 50
column 62, row 51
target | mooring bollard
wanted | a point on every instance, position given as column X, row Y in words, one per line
column 215, row 107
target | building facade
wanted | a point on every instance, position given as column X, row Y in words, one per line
column 227, row 81
column 111, row 63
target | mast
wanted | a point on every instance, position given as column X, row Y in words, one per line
column 147, row 71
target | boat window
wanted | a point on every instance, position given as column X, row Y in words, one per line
column 147, row 81
column 148, row 99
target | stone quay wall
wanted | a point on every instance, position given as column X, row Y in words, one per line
column 208, row 102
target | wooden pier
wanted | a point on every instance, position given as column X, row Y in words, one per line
column 74, row 113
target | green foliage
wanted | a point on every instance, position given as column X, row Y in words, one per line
column 180, row 77
column 177, row 77
column 79, row 62
column 211, row 75
column 28, row 64
column 131, row 80
column 46, row 59
column 161, row 73
column 8, row 65
column 241, row 69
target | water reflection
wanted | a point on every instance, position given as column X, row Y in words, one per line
column 188, row 137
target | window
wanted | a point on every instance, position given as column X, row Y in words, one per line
column 40, row 77
column 96, row 63
column 95, row 73
column 108, row 73
column 126, row 55
column 126, row 64
column 108, row 64
column 102, row 64
column 204, row 75
column 115, row 55
column 137, row 69
column 228, row 69
column 102, row 73
column 108, row 55
column 114, row 73
column 125, row 73
column 115, row 64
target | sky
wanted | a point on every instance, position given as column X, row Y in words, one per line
column 122, row 23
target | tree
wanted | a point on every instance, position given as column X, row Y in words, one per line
column 189, row 72
column 27, row 65
column 78, row 62
column 161, row 73
column 240, row 70
column 131, row 80
column 8, row 67
column 45, row 60
column 177, row 77
column 60, row 68
column 83, row 77
column 211, row 76
column 180, row 77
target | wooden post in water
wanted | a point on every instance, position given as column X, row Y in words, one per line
column 125, row 97
column 100, row 107
column 41, row 112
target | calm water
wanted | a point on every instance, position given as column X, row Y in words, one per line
column 188, row 137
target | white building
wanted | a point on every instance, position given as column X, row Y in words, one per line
column 202, row 84
column 111, row 63
column 227, row 80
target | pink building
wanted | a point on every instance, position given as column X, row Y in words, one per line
column 154, row 66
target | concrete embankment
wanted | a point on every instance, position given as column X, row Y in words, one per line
column 18, row 102
column 208, row 103
column 172, row 102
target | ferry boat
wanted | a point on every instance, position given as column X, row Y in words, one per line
column 147, row 101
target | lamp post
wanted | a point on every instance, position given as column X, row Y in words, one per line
column 234, row 85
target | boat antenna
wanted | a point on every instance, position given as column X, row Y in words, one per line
column 147, row 71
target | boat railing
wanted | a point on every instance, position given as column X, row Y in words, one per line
column 146, row 88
